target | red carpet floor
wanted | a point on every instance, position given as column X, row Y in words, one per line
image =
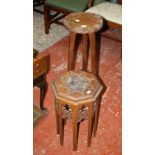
column 108, row 140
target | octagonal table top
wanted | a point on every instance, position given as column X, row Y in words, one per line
column 77, row 87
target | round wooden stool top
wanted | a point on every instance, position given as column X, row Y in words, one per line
column 77, row 87
column 83, row 22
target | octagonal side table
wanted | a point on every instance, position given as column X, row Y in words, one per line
column 77, row 98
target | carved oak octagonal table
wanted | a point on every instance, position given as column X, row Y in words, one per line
column 77, row 97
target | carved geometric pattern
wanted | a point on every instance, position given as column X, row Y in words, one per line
column 82, row 112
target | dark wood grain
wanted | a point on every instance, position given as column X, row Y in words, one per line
column 39, row 77
column 85, row 24
column 76, row 105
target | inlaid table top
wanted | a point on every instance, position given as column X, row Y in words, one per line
column 83, row 22
column 77, row 87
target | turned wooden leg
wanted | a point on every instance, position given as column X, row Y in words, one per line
column 43, row 91
column 92, row 39
column 71, row 61
column 57, row 116
column 90, row 124
column 46, row 19
column 75, row 128
column 84, row 52
column 61, row 123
